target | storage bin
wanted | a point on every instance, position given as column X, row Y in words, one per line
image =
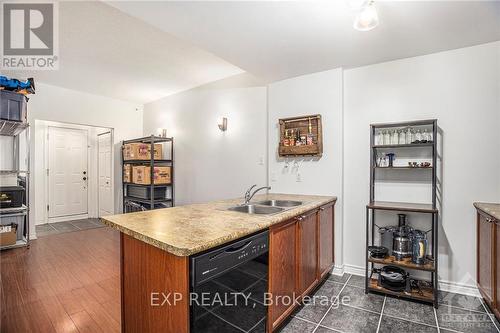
column 12, row 106
column 17, row 219
column 143, row 192
column 8, row 235
column 11, row 196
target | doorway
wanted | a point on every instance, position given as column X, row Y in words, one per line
column 67, row 172
column 105, row 201
column 73, row 176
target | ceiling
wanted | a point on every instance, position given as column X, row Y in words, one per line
column 142, row 51
column 275, row 40
column 107, row 52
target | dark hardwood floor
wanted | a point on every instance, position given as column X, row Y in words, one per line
column 64, row 283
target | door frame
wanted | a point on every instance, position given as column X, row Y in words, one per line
column 112, row 176
column 93, row 211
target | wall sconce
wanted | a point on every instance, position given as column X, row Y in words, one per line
column 223, row 124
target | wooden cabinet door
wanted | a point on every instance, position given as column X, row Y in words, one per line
column 326, row 239
column 485, row 249
column 308, row 251
column 496, row 273
column 282, row 271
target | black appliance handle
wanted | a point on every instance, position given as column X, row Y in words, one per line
column 232, row 250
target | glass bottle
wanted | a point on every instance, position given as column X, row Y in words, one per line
column 379, row 138
column 394, row 137
column 418, row 136
column 425, row 135
column 292, row 138
column 409, row 136
column 286, row 141
column 310, row 137
column 387, row 138
column 431, row 137
column 402, row 137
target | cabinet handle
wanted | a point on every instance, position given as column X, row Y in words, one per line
column 322, row 208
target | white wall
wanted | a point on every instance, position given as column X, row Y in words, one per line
column 69, row 106
column 319, row 93
column 210, row 164
column 461, row 89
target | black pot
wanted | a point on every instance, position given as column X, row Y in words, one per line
column 393, row 278
column 378, row 252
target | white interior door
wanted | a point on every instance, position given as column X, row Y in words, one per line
column 104, row 170
column 68, row 172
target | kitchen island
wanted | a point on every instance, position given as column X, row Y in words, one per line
column 156, row 247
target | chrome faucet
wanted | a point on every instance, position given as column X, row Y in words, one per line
column 249, row 195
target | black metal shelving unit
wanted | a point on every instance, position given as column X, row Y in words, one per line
column 16, row 129
column 152, row 202
column 428, row 294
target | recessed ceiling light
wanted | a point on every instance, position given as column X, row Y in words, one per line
column 367, row 17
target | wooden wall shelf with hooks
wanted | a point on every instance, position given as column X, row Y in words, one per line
column 304, row 125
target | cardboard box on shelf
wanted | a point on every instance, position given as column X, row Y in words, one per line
column 142, row 175
column 8, row 234
column 141, row 151
column 127, row 173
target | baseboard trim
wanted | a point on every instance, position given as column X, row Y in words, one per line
column 453, row 287
column 68, row 218
column 459, row 288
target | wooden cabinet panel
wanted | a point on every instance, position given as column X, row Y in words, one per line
column 485, row 249
column 496, row 262
column 308, row 254
column 326, row 239
column 145, row 270
column 282, row 270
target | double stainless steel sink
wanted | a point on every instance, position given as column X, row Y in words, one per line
column 266, row 207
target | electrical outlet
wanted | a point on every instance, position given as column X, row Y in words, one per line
column 299, row 179
column 261, row 160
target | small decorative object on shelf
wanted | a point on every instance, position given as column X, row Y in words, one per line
column 148, row 178
column 398, row 251
column 301, row 136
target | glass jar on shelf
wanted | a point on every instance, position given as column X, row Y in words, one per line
column 387, row 138
column 409, row 135
column 425, row 136
column 379, row 138
column 394, row 137
column 402, row 137
column 418, row 136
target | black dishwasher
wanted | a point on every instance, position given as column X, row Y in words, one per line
column 228, row 286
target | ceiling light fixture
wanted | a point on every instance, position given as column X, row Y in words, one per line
column 367, row 17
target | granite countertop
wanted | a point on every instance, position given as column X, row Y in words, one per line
column 186, row 230
column 492, row 209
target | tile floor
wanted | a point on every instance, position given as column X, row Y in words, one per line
column 377, row 313
column 69, row 226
